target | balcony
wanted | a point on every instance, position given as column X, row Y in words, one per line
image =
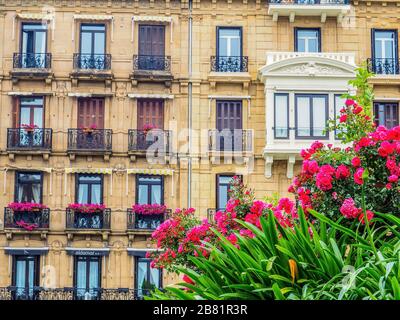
column 145, row 223
column 70, row 293
column 92, row 67
column 227, row 140
column 31, row 66
column 384, row 66
column 140, row 142
column 151, row 68
column 89, row 142
column 37, row 140
column 321, row 8
column 229, row 64
column 88, row 221
column 17, row 222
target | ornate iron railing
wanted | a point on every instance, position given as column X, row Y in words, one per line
column 23, row 139
column 156, row 140
column 230, row 140
column 229, row 64
column 137, row 221
column 70, row 293
column 152, row 63
column 310, row 2
column 92, row 140
column 37, row 219
column 79, row 220
column 92, row 61
column 32, row 61
column 384, row 66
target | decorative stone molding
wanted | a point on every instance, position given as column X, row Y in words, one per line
column 269, row 160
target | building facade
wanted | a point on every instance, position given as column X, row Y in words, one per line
column 115, row 103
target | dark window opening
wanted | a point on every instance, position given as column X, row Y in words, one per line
column 89, row 189
column 149, row 189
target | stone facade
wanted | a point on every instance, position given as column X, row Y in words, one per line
column 189, row 89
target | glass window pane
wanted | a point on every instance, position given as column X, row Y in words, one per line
column 40, row 42
column 156, row 194
column 96, row 194
column 38, row 117
column 307, row 40
column 303, row 116
column 83, row 194
column 25, row 116
column 319, row 116
column 86, row 43
column 143, row 194
column 229, row 42
column 81, row 278
column 94, row 275
column 222, row 196
column 20, row 275
column 99, row 43
column 155, row 277
column 281, row 116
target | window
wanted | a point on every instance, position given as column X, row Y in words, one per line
column 29, row 187
column 229, row 42
column 150, row 111
column 385, row 51
column 31, row 112
column 151, row 47
column 281, row 111
column 307, row 40
column 93, row 46
column 89, row 189
column 386, row 114
column 33, row 45
column 87, row 277
column 311, row 115
column 339, row 104
column 149, row 189
column 223, row 185
column 25, row 276
column 147, row 278
column 91, row 112
column 229, row 125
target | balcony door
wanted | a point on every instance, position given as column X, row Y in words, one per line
column 229, row 125
column 147, row 278
column 33, row 45
column 93, row 46
column 386, row 114
column 25, row 277
column 151, row 47
column 87, row 277
column 31, row 118
column 90, row 115
column 385, row 55
column 149, row 189
column 28, row 187
column 229, row 49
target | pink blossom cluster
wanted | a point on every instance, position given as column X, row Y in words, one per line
column 26, row 206
column 26, row 226
column 87, row 208
column 149, row 209
column 350, row 211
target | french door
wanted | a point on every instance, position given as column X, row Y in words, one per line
column 386, row 114
column 147, row 278
column 31, row 118
column 25, row 277
column 93, row 46
column 91, row 113
column 229, row 125
column 87, row 277
column 33, row 45
column 150, row 114
column 385, row 55
column 151, row 47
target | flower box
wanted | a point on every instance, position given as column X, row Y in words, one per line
column 87, row 208
column 26, row 206
column 149, row 209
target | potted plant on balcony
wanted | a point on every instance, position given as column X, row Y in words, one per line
column 29, row 128
column 26, row 215
column 148, row 216
column 87, row 208
column 147, row 128
column 89, row 130
column 26, row 207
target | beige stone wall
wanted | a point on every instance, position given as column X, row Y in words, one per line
column 260, row 35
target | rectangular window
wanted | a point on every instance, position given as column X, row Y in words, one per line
column 93, row 47
column 33, row 45
column 147, row 278
column 229, row 42
column 386, row 114
column 150, row 111
column 223, row 185
column 25, row 276
column 31, row 112
column 29, row 187
column 87, row 277
column 384, row 54
column 307, row 40
column 149, row 189
column 89, row 189
column 339, row 104
column 311, row 115
column 91, row 112
column 281, row 111
column 229, row 125
column 151, row 47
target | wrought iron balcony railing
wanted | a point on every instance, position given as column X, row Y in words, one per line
column 229, row 64
column 384, row 66
column 30, row 219
column 32, row 61
column 230, row 140
column 25, row 139
column 90, row 140
column 137, row 221
column 310, row 2
column 155, row 140
column 83, row 61
column 70, row 293
column 151, row 63
column 80, row 220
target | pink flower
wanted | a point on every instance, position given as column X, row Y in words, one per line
column 386, row 149
column 393, row 178
column 246, row 233
column 350, row 102
column 348, row 209
column 370, row 216
column 324, row 181
column 342, row 172
column 356, row 162
column 357, row 110
column 389, row 186
column 358, row 176
column 343, row 118
column 187, row 279
column 310, row 167
column 232, row 238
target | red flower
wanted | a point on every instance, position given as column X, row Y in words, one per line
column 357, row 110
column 342, row 172
column 349, row 210
column 343, row 118
column 393, row 178
column 358, row 176
column 350, row 102
column 386, row 149
column 370, row 215
column 187, row 279
column 356, row 162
